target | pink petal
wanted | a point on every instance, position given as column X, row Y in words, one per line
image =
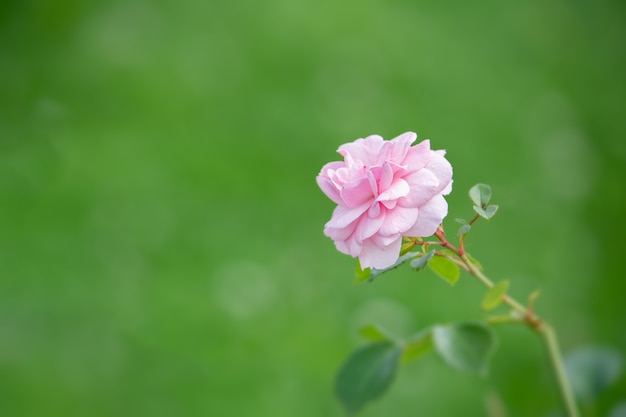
column 357, row 193
column 383, row 241
column 399, row 188
column 389, row 204
column 442, row 169
column 340, row 233
column 429, row 217
column 367, row 226
column 342, row 247
column 401, row 145
column 328, row 188
column 398, row 221
column 372, row 256
column 386, row 176
column 354, row 246
column 364, row 150
column 423, row 185
column 374, row 210
column 417, row 156
column 371, row 176
column 343, row 216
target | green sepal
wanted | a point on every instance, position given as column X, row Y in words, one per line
column 407, row 246
column 360, row 274
column 493, row 296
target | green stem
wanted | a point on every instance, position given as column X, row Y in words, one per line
column 544, row 330
column 549, row 338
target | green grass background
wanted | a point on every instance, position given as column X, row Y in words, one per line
column 161, row 246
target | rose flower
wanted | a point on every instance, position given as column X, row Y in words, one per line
column 384, row 190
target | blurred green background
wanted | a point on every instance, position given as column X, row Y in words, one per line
column 161, row 246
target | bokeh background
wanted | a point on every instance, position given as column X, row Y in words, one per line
column 161, row 246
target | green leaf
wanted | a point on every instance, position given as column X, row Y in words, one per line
column 592, row 369
column 619, row 410
column 445, row 268
column 417, row 346
column 480, row 194
column 488, row 212
column 360, row 274
column 420, row 263
column 402, row 259
column 463, row 229
column 474, row 261
column 465, row 346
column 373, row 333
column 493, row 296
column 366, row 374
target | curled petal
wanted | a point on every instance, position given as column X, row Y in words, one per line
column 386, row 176
column 329, row 188
column 442, row 169
column 417, row 157
column 401, row 145
column 364, row 150
column 344, row 216
column 341, row 233
column 399, row 188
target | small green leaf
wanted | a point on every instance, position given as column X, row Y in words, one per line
column 474, row 261
column 486, row 213
column 417, row 346
column 360, row 274
column 463, row 229
column 532, row 297
column 592, row 369
column 402, row 259
column 480, row 194
column 493, row 296
column 366, row 374
column 460, row 221
column 420, row 263
column 373, row 333
column 465, row 346
column 445, row 268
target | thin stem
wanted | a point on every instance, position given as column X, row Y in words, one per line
column 473, row 270
column 547, row 334
column 528, row 317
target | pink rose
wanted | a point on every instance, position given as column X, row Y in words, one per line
column 384, row 190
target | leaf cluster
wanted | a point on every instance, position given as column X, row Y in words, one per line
column 370, row 370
